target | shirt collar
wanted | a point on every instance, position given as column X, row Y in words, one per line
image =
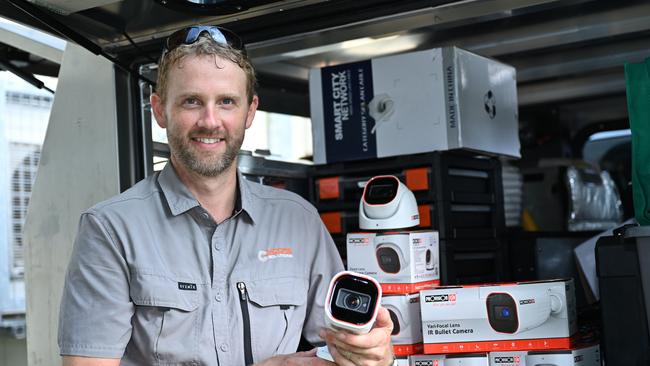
column 180, row 199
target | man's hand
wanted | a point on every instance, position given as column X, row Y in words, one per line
column 371, row 349
column 296, row 359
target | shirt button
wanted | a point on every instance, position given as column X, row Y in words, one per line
column 217, row 247
column 218, row 297
column 205, row 215
column 224, row 347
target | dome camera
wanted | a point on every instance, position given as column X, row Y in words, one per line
column 387, row 204
column 352, row 302
column 401, row 332
column 519, row 311
column 390, row 258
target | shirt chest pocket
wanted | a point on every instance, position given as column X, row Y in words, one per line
column 276, row 308
column 165, row 323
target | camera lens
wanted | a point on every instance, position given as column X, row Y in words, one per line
column 505, row 312
column 352, row 302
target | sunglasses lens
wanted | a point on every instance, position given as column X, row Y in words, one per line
column 191, row 35
column 218, row 36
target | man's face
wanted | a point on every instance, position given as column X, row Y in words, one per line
column 206, row 113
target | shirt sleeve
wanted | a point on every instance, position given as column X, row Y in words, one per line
column 326, row 263
column 96, row 310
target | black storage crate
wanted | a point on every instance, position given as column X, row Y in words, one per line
column 433, row 177
column 452, row 222
column 473, row 261
column 460, row 196
column 290, row 176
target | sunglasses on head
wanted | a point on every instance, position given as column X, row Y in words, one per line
column 190, row 35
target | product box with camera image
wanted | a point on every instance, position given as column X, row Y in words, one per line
column 403, row 262
column 404, row 311
column 578, row 356
column 438, row 99
column 507, row 317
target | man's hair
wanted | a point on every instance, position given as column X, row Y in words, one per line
column 204, row 46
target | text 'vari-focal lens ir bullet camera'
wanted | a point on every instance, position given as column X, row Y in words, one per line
column 522, row 310
column 387, row 204
column 352, row 302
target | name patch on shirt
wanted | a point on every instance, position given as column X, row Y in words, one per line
column 187, row 286
column 272, row 253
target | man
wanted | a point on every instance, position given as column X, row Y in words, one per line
column 195, row 265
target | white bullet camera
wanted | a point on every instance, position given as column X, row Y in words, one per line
column 519, row 311
column 387, row 204
column 390, row 258
column 352, row 302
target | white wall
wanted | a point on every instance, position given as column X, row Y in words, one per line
column 78, row 167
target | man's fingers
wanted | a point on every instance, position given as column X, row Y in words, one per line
column 342, row 357
column 376, row 338
column 384, row 320
column 310, row 353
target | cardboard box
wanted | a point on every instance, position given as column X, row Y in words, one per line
column 407, row 324
column 477, row 359
column 427, row 360
column 585, row 356
column 438, row 99
column 510, row 358
column 401, row 361
column 508, row 317
column 402, row 262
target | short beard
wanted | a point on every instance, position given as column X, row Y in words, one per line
column 210, row 168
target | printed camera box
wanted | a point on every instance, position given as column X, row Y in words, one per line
column 402, row 262
column 404, row 311
column 507, row 317
column 427, row 360
column 508, row 358
column 467, row 359
column 437, row 99
column 579, row 356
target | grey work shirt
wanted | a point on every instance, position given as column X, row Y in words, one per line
column 153, row 279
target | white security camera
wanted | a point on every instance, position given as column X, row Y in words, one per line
column 387, row 204
column 381, row 108
column 352, row 302
column 518, row 311
column 390, row 258
column 430, row 259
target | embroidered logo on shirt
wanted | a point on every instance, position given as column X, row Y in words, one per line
column 272, row 253
column 187, row 286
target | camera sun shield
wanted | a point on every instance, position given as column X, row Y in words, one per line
column 352, row 302
column 387, row 204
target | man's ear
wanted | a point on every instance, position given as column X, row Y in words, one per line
column 252, row 108
column 158, row 108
